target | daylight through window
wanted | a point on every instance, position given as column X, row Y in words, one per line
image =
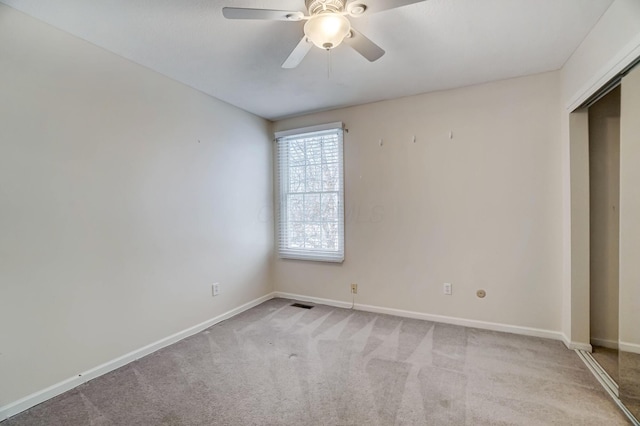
column 311, row 211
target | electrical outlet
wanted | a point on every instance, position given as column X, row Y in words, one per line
column 354, row 288
column 215, row 289
column 446, row 288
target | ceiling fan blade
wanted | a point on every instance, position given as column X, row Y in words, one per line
column 266, row 14
column 364, row 46
column 375, row 6
column 298, row 54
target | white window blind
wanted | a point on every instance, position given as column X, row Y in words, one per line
column 311, row 190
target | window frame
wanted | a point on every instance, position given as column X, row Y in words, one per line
column 283, row 190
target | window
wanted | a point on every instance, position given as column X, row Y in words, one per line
column 311, row 190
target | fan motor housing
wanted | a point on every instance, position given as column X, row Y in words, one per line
column 319, row 6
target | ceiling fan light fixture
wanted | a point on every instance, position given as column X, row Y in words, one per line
column 327, row 30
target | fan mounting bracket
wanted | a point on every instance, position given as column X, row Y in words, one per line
column 321, row 6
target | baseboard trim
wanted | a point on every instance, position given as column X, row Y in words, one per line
column 621, row 346
column 506, row 328
column 576, row 346
column 605, row 343
column 36, row 398
column 318, row 300
column 629, row 347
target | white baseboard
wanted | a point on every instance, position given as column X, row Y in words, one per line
column 36, row 398
column 576, row 346
column 515, row 329
column 634, row 348
column 318, row 300
column 605, row 343
column 613, row 344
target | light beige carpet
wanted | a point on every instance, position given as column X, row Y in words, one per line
column 280, row 365
column 629, row 381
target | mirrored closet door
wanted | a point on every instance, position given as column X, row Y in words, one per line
column 629, row 278
column 614, row 192
column 604, row 227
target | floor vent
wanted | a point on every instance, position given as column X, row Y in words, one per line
column 300, row 305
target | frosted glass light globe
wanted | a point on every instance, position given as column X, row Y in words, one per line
column 327, row 30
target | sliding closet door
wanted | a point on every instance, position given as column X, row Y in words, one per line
column 629, row 326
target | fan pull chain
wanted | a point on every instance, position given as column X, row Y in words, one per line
column 328, row 64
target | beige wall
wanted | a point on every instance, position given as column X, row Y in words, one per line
column 123, row 196
column 611, row 45
column 481, row 210
column 630, row 213
column 604, row 201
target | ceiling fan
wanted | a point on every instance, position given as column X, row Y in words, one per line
column 326, row 24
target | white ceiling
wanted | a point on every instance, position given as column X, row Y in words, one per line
column 435, row 45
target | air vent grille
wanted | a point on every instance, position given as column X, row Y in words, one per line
column 301, row 305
